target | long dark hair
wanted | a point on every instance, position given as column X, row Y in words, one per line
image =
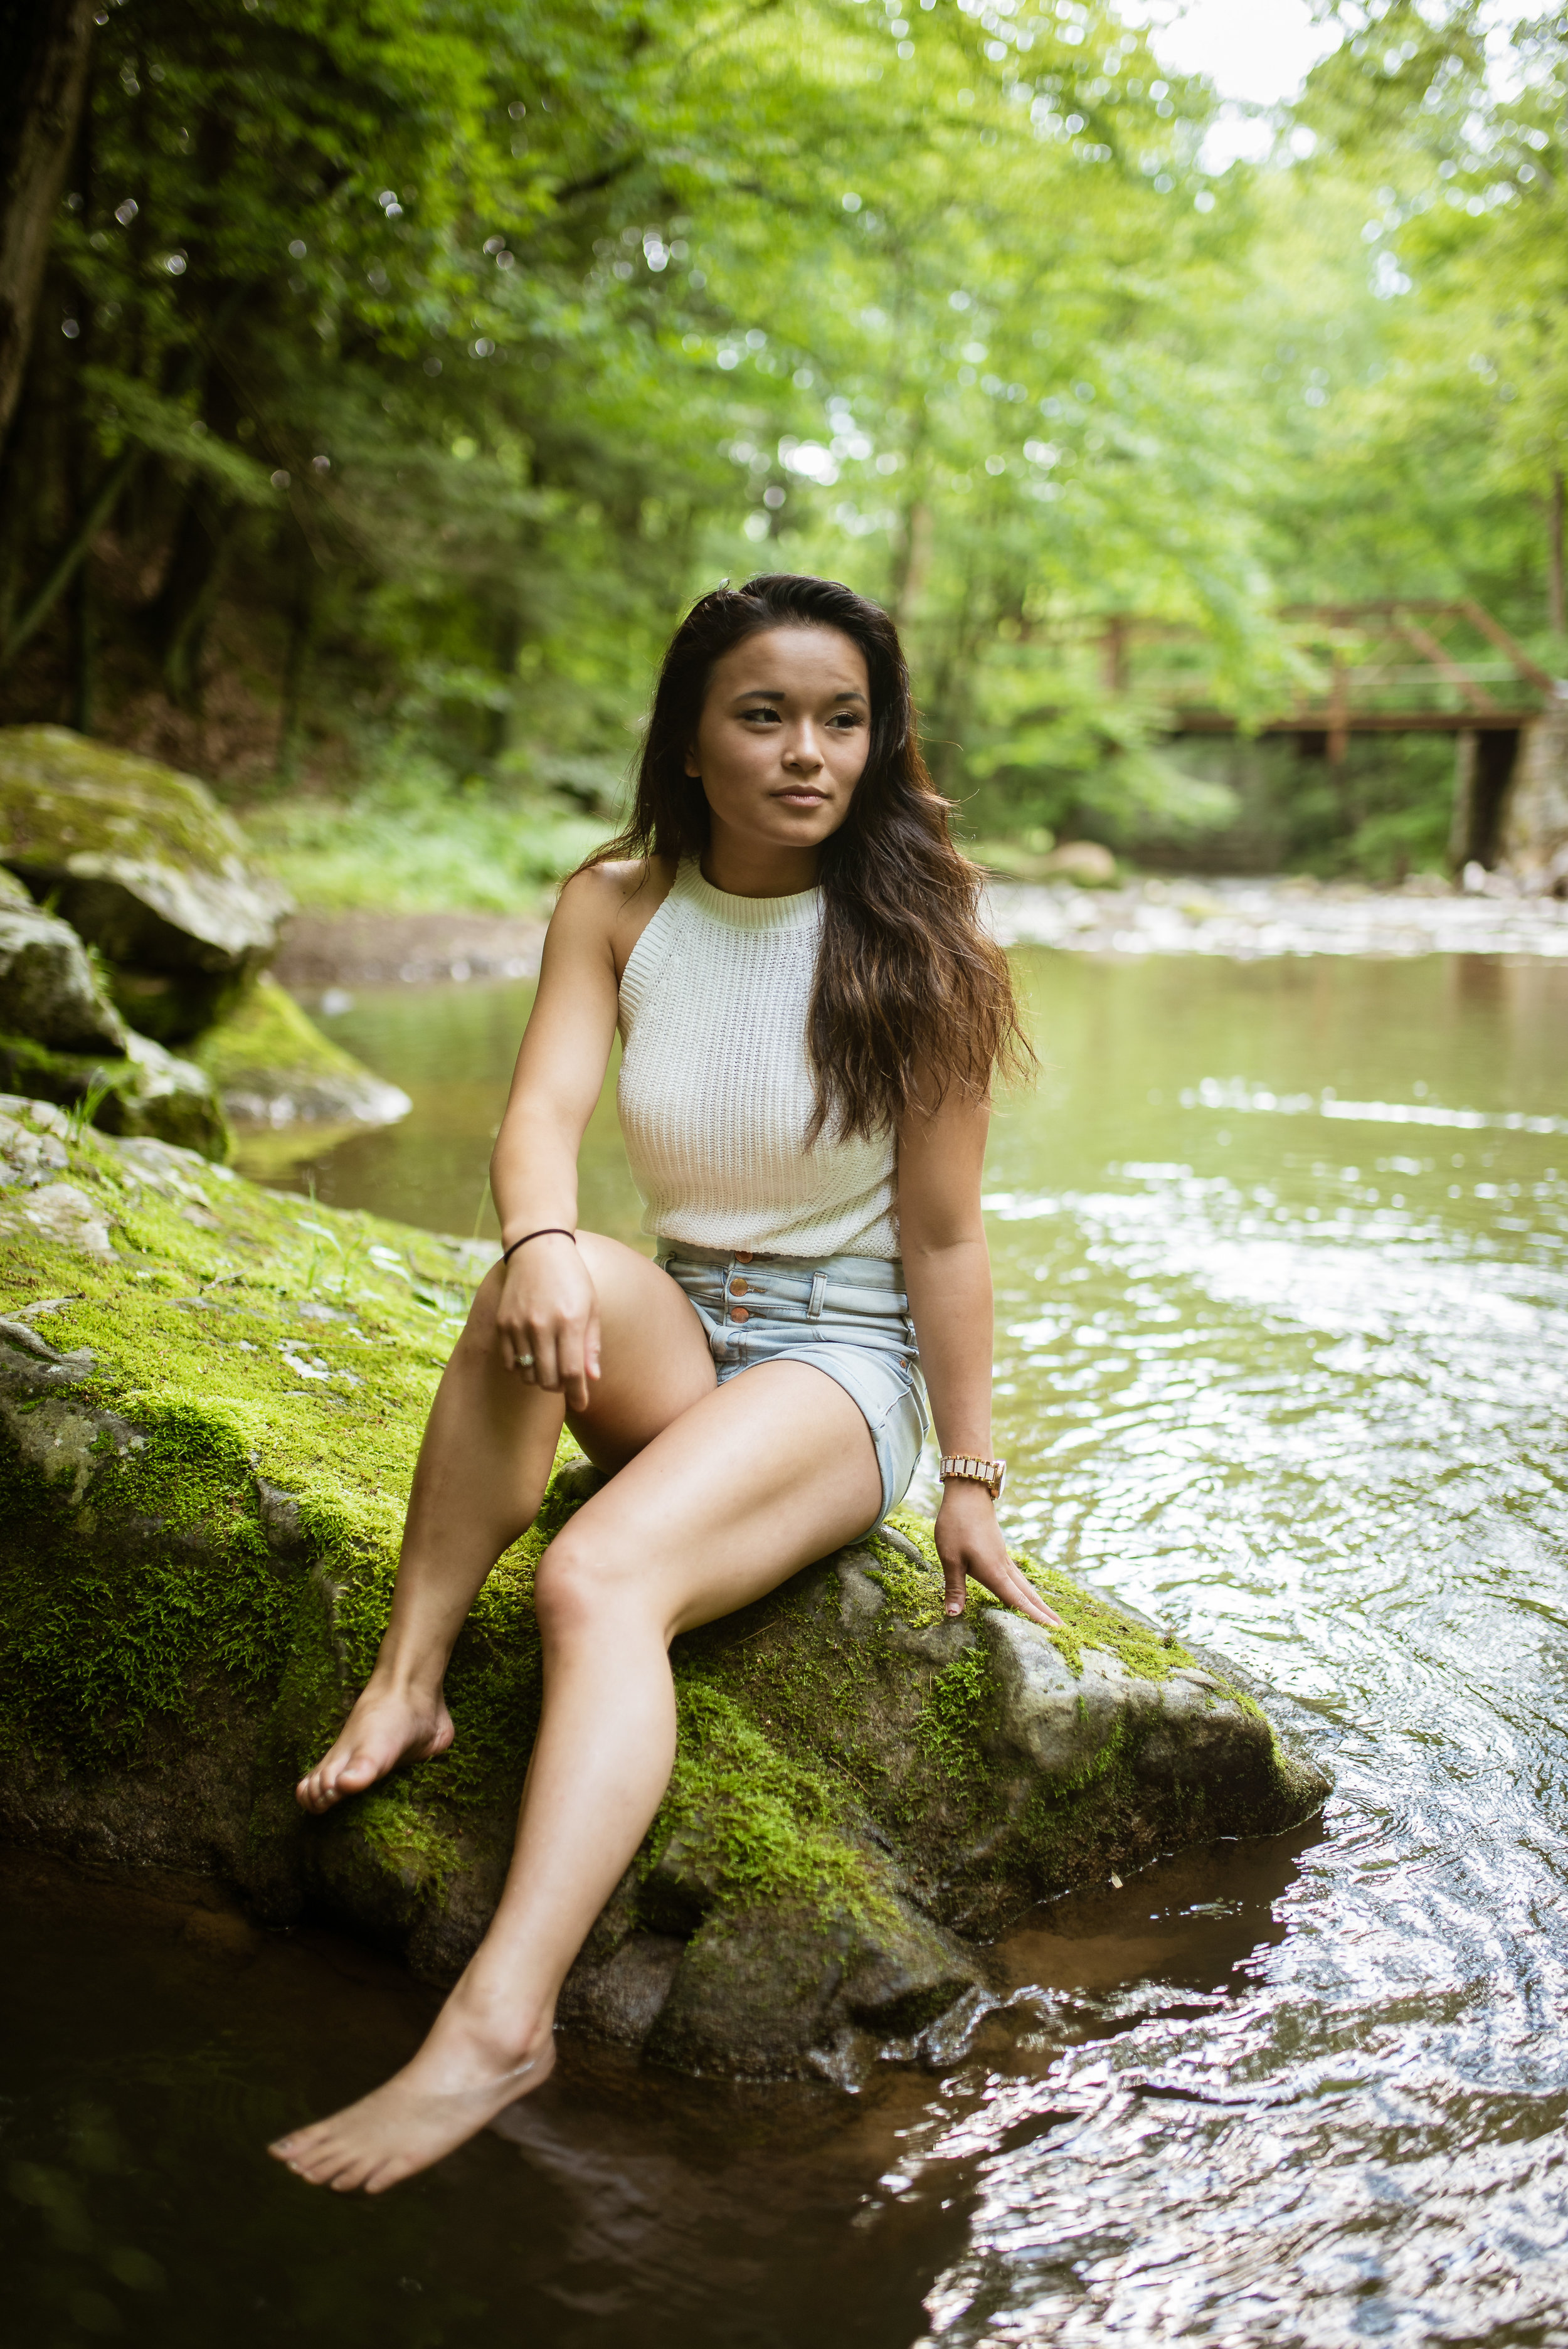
column 912, row 997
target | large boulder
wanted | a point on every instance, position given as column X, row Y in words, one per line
column 210, row 1399
column 145, row 865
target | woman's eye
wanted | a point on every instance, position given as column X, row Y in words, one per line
column 771, row 714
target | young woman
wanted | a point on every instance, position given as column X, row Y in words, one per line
column 787, row 939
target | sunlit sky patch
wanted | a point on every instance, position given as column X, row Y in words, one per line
column 1258, row 53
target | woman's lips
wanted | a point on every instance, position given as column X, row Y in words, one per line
column 801, row 798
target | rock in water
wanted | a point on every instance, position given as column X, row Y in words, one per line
column 1083, row 861
column 146, row 866
column 210, row 1401
column 274, row 1068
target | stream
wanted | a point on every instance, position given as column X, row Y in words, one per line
column 1282, row 1265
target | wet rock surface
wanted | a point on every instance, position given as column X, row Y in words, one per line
column 210, row 1399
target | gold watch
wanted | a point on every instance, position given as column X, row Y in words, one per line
column 992, row 1474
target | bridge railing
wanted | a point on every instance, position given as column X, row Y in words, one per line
column 1395, row 666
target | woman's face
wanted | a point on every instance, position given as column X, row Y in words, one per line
column 784, row 736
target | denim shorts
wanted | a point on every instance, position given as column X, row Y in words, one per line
column 847, row 1315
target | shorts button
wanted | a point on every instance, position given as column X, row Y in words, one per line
column 744, row 1256
column 739, row 1313
column 738, row 1288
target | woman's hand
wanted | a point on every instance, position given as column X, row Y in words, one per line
column 547, row 1322
column 969, row 1542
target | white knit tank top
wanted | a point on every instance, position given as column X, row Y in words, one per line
column 716, row 1090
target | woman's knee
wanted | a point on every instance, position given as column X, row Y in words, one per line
column 567, row 1588
column 577, row 1584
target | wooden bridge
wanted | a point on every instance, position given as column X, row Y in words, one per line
column 1397, row 666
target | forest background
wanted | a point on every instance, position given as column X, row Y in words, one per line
column 402, row 368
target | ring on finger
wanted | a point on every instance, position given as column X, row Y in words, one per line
column 525, row 1362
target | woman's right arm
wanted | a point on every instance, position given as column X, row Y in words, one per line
column 548, row 1307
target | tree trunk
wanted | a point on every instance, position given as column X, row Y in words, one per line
column 304, row 604
column 179, row 616
column 1556, row 588
column 43, row 76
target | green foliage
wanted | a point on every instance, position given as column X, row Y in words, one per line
column 449, row 350
column 410, row 842
column 429, row 357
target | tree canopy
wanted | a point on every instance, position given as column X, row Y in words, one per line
column 403, row 366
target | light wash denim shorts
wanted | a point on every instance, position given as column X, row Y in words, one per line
column 847, row 1315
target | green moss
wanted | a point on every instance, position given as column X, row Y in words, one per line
column 63, row 794
column 757, row 1826
column 266, row 1033
column 201, row 1329
column 401, row 1837
column 947, row 1732
column 917, row 1594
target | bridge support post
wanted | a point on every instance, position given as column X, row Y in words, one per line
column 1484, row 763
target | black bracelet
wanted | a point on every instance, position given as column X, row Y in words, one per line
column 545, row 1232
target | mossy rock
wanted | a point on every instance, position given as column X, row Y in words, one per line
column 49, row 989
column 63, row 1041
column 210, row 1401
column 140, row 1090
column 273, row 1067
column 145, row 865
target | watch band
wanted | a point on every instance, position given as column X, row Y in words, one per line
column 992, row 1474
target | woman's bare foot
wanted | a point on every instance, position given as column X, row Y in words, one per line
column 390, row 1724
column 458, row 2080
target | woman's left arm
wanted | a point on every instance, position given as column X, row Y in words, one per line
column 947, row 1271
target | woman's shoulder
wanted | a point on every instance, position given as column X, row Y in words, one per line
column 615, row 901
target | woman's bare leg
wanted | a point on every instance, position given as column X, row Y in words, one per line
column 747, row 1486
column 484, row 1466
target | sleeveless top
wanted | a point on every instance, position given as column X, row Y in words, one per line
column 716, row 1090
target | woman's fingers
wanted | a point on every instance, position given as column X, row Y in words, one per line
column 542, row 1346
column 560, row 1357
column 571, row 1369
column 1020, row 1592
column 1005, row 1582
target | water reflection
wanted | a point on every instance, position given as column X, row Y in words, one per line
column 1289, row 1377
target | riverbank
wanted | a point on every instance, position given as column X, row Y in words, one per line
column 1284, row 914
column 359, row 949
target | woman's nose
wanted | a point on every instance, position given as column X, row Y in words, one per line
column 803, row 751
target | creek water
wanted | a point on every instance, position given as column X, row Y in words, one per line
column 1281, row 1259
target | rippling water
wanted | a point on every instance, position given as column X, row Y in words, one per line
column 1281, row 1257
